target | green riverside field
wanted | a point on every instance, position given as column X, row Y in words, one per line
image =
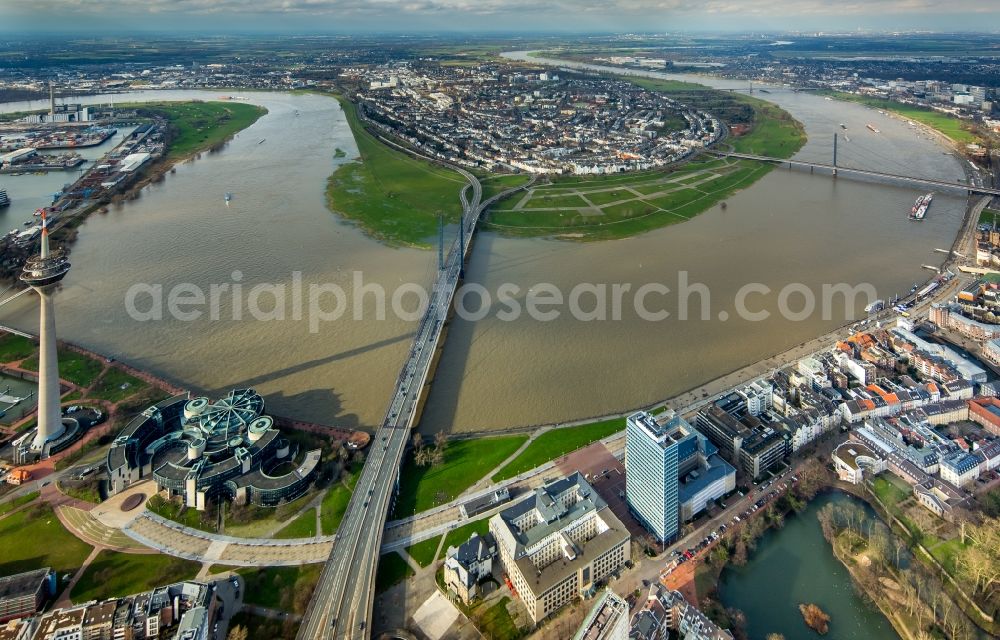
column 199, row 126
column 392, row 196
column 465, row 463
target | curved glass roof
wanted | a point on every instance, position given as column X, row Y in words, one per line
column 230, row 416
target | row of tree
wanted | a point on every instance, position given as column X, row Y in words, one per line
column 891, row 576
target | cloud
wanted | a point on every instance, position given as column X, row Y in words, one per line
column 558, row 14
column 487, row 7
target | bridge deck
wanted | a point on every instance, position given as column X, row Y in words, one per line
column 932, row 182
column 343, row 599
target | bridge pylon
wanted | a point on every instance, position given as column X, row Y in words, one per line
column 461, row 249
column 835, row 155
column 440, row 241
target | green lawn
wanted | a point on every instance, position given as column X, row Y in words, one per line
column 495, row 184
column 945, row 552
column 391, row 569
column 541, row 200
column 335, row 501
column 284, row 588
column 114, row 574
column 303, row 526
column 986, row 217
column 86, row 491
column 601, row 198
column 951, row 127
column 425, row 551
column 7, row 507
column 462, row 534
column 35, row 538
column 251, row 521
column 176, row 511
column 495, row 623
column 116, row 385
column 775, row 132
column 392, row 196
column 466, row 462
column 891, row 490
column 79, row 369
column 14, row 347
column 552, row 444
column 198, row 126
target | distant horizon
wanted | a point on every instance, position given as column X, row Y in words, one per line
column 499, row 33
column 563, row 17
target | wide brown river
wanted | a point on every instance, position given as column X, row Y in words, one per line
column 788, row 228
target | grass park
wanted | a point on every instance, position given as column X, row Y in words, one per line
column 281, row 588
column 34, row 537
column 118, row 574
column 891, row 491
column 332, row 506
column 466, row 462
column 558, row 442
column 425, row 551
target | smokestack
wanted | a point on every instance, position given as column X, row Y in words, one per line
column 52, row 99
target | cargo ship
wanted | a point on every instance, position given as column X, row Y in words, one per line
column 4, row 200
column 872, row 128
column 920, row 207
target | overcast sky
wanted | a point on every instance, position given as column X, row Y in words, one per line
column 116, row 16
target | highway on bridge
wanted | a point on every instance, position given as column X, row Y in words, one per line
column 342, row 603
column 971, row 188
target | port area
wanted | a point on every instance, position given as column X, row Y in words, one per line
column 22, row 144
column 18, row 135
column 108, row 177
column 39, row 162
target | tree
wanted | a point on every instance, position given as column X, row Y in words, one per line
column 775, row 636
column 239, row 632
column 440, row 440
column 740, row 554
column 979, row 560
column 719, row 555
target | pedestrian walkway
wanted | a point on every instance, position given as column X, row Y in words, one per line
column 64, row 599
column 86, row 527
column 184, row 542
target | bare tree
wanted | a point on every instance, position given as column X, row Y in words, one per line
column 239, row 632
